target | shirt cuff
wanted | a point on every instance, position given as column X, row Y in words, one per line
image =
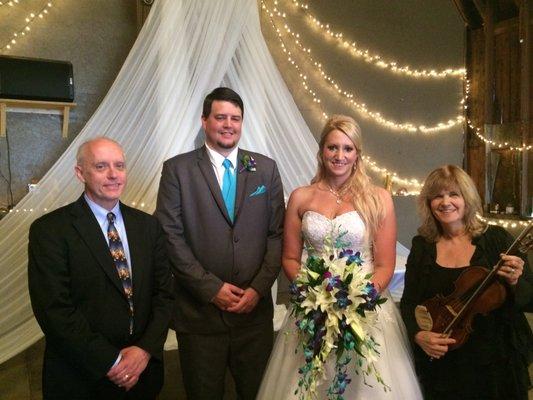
column 117, row 361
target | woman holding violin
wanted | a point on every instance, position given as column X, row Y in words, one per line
column 492, row 362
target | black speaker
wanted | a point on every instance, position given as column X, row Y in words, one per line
column 36, row 79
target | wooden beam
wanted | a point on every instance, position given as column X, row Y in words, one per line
column 525, row 33
column 469, row 13
column 21, row 105
column 143, row 9
column 481, row 7
column 2, row 119
column 489, row 65
column 490, row 89
column 506, row 26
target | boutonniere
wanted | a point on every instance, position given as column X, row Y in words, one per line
column 248, row 163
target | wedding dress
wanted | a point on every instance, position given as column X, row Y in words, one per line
column 395, row 363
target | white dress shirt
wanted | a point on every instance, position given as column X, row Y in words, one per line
column 217, row 159
column 101, row 216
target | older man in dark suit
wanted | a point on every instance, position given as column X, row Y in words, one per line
column 100, row 288
column 222, row 210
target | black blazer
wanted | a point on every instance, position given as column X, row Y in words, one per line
column 78, row 298
column 490, row 244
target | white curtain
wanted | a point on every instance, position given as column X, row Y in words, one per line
column 185, row 49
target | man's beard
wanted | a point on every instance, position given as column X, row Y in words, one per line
column 226, row 145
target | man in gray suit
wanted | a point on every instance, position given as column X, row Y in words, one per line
column 222, row 210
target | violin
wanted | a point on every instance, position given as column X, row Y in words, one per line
column 477, row 291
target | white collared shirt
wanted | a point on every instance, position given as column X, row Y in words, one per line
column 100, row 214
column 217, row 159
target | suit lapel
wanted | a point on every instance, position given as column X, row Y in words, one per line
column 242, row 177
column 136, row 246
column 204, row 163
column 87, row 226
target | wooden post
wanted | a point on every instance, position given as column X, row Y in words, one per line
column 526, row 50
column 66, row 116
column 2, row 119
column 488, row 112
column 143, row 9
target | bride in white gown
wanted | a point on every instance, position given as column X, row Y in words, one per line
column 341, row 198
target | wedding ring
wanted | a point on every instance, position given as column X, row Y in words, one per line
column 126, row 376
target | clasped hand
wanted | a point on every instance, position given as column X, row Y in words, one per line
column 233, row 299
column 133, row 362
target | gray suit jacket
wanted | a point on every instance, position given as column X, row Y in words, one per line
column 206, row 249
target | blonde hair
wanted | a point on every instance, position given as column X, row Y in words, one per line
column 366, row 200
column 445, row 178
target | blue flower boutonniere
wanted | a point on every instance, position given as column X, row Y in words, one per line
column 248, row 163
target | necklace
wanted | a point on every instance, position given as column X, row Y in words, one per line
column 337, row 194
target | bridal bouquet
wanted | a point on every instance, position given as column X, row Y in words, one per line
column 334, row 303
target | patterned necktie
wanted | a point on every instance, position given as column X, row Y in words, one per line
column 229, row 185
column 119, row 257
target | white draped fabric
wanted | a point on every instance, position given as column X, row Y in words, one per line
column 185, row 49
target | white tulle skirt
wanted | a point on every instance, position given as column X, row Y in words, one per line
column 395, row 364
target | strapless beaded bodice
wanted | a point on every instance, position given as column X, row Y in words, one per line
column 315, row 227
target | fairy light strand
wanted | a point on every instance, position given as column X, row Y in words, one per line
column 10, row 3
column 376, row 115
column 349, row 98
column 351, row 48
column 30, row 19
column 384, row 172
column 372, row 164
column 504, row 223
column 477, row 130
column 140, row 205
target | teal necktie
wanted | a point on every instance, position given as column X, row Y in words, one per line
column 229, row 184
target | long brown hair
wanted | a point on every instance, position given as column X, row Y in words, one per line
column 445, row 178
column 366, row 200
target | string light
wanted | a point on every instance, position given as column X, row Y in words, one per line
column 372, row 164
column 384, row 172
column 477, row 130
column 351, row 48
column 504, row 223
column 494, row 144
column 10, row 3
column 26, row 29
column 141, row 205
column 360, row 107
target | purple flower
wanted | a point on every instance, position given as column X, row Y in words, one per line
column 248, row 163
column 342, row 298
column 342, row 382
column 345, row 253
column 371, row 296
column 351, row 257
column 333, row 282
